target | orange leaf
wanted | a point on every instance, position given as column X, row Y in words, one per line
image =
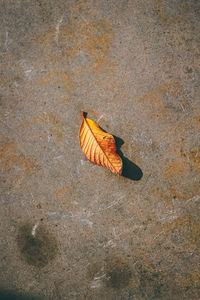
column 99, row 146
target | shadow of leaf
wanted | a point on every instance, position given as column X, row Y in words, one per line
column 130, row 170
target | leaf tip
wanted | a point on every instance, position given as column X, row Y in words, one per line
column 83, row 114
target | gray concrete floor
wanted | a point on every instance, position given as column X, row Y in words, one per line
column 73, row 230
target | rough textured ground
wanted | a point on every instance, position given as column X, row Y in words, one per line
column 73, row 230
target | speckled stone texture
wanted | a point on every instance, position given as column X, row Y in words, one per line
column 73, row 230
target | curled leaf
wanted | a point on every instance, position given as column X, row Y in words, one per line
column 99, row 146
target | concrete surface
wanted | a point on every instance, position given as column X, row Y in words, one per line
column 73, row 230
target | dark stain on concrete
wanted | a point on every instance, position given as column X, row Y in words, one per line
column 119, row 277
column 118, row 273
column 38, row 249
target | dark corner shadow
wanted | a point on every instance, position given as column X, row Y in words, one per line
column 10, row 295
column 130, row 170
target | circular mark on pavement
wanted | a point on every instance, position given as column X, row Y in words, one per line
column 37, row 246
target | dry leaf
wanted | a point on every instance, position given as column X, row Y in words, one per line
column 99, row 146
